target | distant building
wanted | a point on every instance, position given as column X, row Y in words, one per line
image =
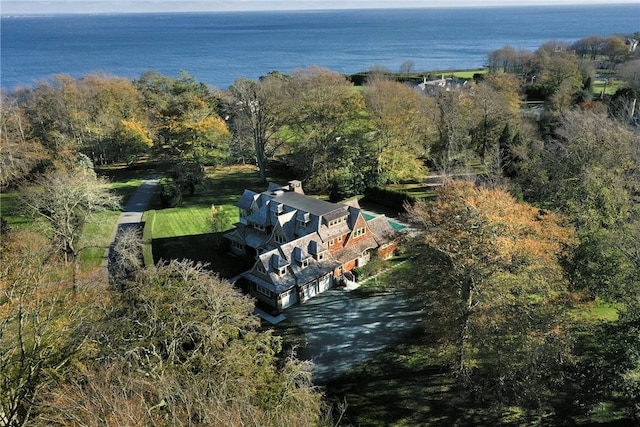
column 302, row 245
column 446, row 84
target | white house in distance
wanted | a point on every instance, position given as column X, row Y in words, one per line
column 302, row 245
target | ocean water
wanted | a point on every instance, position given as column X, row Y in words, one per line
column 217, row 48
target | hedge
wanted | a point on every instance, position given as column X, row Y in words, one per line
column 388, row 198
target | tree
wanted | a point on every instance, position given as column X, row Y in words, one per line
column 182, row 347
column 125, row 254
column 396, row 112
column 20, row 153
column 256, row 117
column 454, row 121
column 560, row 79
column 116, row 128
column 324, row 114
column 185, row 118
column 616, row 49
column 188, row 174
column 54, row 109
column 594, row 182
column 490, row 272
column 589, row 47
column 65, row 200
column 497, row 102
column 41, row 333
column 630, row 73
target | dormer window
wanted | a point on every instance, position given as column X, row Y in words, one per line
column 282, row 271
column 332, row 242
column 277, row 208
column 304, row 263
column 337, row 221
column 279, row 238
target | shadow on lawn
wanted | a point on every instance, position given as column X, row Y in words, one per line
column 405, row 385
column 205, row 248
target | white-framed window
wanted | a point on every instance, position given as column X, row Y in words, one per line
column 359, row 232
column 258, row 227
column 237, row 245
column 264, row 291
column 280, row 238
column 332, row 242
column 285, row 294
column 336, row 221
column 282, row 271
column 340, row 238
column 321, row 256
column 304, row 263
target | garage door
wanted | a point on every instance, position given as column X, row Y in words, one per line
column 308, row 290
column 325, row 282
column 289, row 298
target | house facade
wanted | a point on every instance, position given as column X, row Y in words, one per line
column 302, row 245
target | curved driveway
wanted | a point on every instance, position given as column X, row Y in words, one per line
column 343, row 329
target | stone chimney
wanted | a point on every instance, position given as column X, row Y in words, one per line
column 296, row 186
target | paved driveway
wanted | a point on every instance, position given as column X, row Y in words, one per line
column 132, row 213
column 343, row 329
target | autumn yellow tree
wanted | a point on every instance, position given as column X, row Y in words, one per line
column 490, row 272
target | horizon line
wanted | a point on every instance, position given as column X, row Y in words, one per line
column 308, row 8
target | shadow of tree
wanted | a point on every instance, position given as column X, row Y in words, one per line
column 207, row 248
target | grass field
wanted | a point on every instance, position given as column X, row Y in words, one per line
column 97, row 232
column 610, row 87
column 187, row 232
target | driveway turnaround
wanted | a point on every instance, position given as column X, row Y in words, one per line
column 343, row 329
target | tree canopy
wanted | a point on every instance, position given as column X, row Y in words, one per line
column 493, row 286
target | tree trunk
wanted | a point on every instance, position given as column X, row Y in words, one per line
column 463, row 331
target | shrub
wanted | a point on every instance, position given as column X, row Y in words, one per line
column 170, row 196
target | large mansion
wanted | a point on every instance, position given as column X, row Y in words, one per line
column 302, row 245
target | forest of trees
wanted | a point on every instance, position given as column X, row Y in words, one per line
column 548, row 225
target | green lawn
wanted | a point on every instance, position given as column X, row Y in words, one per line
column 610, row 87
column 186, row 232
column 468, row 74
column 96, row 238
column 98, row 231
column 222, row 188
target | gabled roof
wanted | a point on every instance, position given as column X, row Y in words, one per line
column 247, row 199
column 381, row 229
column 260, row 217
column 287, row 224
column 354, row 214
